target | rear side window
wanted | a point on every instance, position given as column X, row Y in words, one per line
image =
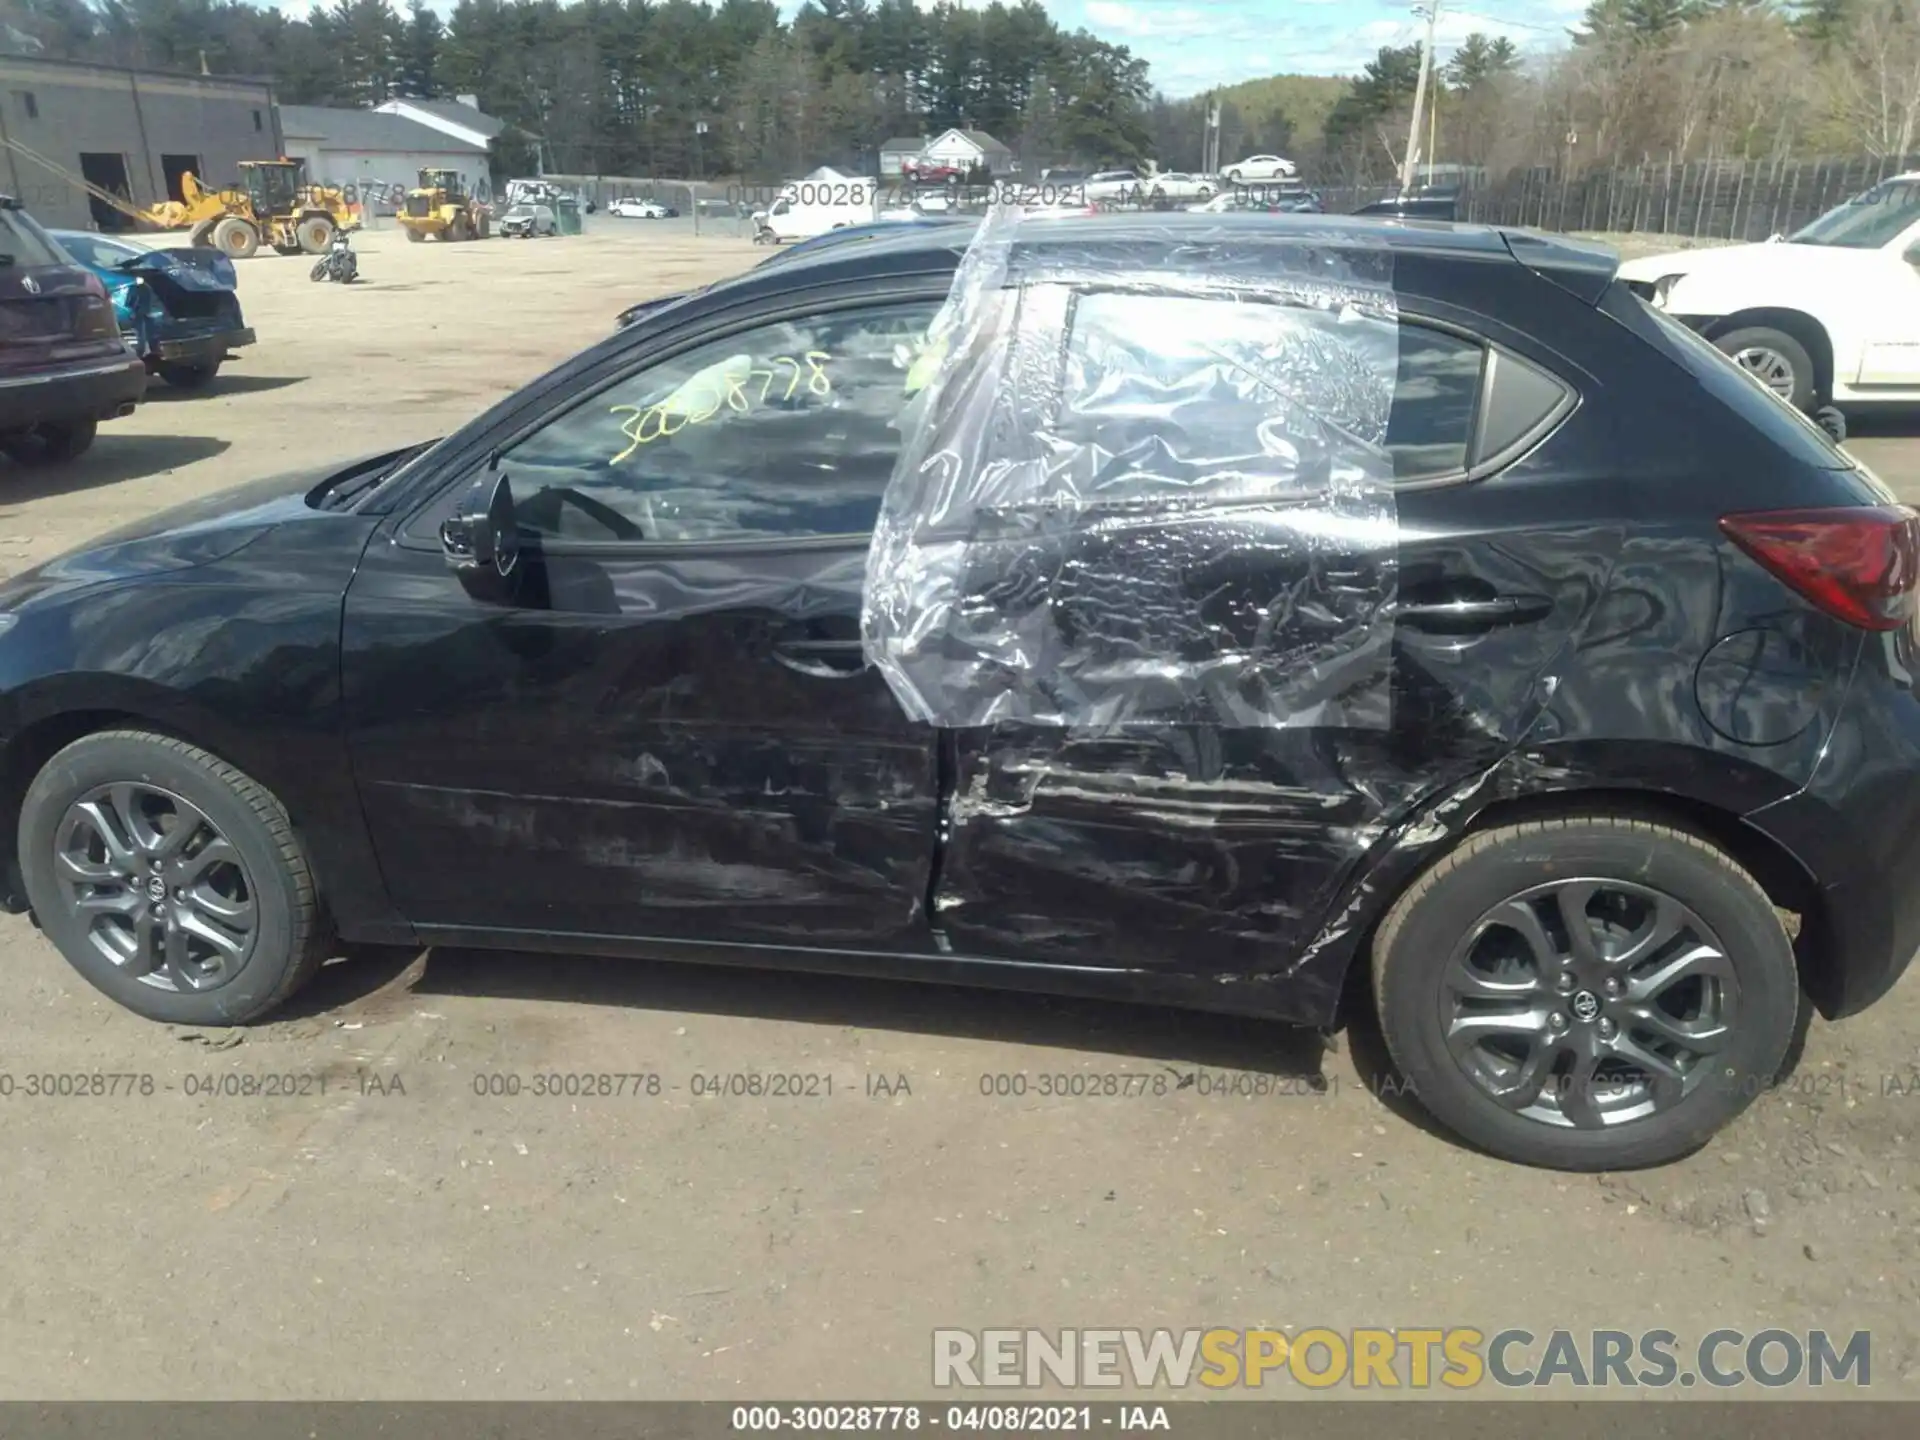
column 1436, row 395
column 22, row 242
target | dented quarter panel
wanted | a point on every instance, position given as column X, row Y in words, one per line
column 1217, row 854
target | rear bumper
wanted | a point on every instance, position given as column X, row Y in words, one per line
column 1856, row 830
column 94, row 390
column 191, row 349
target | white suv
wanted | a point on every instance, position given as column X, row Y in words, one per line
column 1827, row 315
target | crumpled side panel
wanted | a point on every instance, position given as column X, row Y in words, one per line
column 1145, row 483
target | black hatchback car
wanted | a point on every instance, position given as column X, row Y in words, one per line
column 1649, row 776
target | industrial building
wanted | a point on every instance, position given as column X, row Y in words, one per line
column 388, row 146
column 133, row 132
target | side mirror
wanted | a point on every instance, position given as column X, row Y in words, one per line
column 481, row 540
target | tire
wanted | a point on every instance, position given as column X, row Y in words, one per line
column 288, row 937
column 319, row 271
column 189, row 377
column 315, row 234
column 234, row 237
column 1770, row 350
column 414, row 237
column 51, row 444
column 1233, row 177
column 1447, row 917
column 457, row 230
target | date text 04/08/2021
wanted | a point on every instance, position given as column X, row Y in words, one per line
column 1013, row 1419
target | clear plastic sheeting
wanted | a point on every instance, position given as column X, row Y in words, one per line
column 1143, row 482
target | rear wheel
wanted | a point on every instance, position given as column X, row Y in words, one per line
column 1775, row 359
column 50, row 444
column 235, row 237
column 189, row 377
column 170, row 880
column 315, row 234
column 1592, row 993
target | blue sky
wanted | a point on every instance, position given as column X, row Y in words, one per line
column 1194, row 44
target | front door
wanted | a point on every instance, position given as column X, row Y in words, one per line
column 671, row 732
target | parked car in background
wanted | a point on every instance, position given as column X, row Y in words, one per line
column 526, row 218
column 1176, row 187
column 1112, row 187
column 810, row 209
column 1259, row 167
column 64, row 366
column 1827, row 315
column 177, row 308
column 1280, row 198
column 1642, row 687
column 1416, row 205
column 634, row 209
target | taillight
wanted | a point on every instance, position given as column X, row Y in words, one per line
column 1858, row 565
column 93, row 311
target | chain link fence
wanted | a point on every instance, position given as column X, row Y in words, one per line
column 700, row 207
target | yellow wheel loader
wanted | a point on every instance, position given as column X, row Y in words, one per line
column 273, row 204
column 440, row 208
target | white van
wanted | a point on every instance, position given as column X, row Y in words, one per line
column 808, row 208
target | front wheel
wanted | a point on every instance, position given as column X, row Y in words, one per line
column 1593, row 993
column 1775, row 359
column 173, row 882
column 319, row 271
column 315, row 234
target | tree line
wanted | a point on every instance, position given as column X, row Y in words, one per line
column 1646, row 81
column 729, row 88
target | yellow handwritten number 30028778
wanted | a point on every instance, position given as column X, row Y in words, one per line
column 732, row 390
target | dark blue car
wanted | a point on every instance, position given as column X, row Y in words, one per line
column 177, row 308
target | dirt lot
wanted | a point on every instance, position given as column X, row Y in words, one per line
column 402, row 1235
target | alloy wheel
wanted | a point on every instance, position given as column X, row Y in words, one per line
column 159, row 891
column 1769, row 367
column 1588, row 1003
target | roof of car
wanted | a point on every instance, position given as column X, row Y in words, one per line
column 929, row 249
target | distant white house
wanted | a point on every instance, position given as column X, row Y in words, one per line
column 962, row 148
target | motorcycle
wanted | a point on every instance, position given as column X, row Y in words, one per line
column 339, row 263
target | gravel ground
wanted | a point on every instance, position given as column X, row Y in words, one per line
column 406, row 1234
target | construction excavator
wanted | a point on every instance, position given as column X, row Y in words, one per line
column 273, row 204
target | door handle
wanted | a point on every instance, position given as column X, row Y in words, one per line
column 823, row 659
column 1466, row 616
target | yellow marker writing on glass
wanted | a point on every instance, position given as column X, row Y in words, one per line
column 735, row 383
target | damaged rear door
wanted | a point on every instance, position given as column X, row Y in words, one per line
column 1212, row 855
column 672, row 731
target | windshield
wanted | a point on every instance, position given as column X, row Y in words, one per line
column 1867, row 221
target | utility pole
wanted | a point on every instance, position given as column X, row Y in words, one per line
column 1409, row 160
